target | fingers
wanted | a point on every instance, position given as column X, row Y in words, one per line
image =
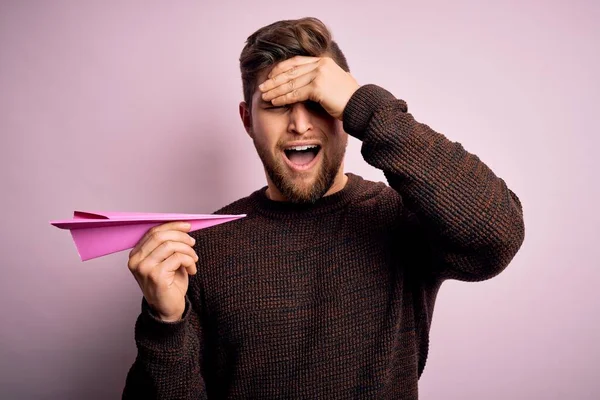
column 286, row 76
column 158, row 274
column 178, row 260
column 156, row 239
column 168, row 248
column 169, row 226
column 291, row 63
column 290, row 86
column 153, row 232
column 167, row 257
column 295, row 96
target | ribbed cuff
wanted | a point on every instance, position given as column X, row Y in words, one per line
column 361, row 106
column 156, row 333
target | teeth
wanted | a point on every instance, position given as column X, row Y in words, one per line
column 301, row 148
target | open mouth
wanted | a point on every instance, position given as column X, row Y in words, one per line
column 302, row 157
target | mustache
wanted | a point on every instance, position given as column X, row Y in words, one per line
column 282, row 143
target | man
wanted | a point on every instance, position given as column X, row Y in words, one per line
column 326, row 289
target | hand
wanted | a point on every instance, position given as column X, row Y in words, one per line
column 161, row 262
column 317, row 79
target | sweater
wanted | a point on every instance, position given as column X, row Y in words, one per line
column 334, row 300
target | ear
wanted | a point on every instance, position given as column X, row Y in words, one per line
column 246, row 116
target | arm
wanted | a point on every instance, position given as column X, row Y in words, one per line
column 168, row 362
column 471, row 220
column 472, row 223
column 168, row 333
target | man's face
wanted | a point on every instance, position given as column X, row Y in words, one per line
column 301, row 146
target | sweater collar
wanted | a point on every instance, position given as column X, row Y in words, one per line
column 327, row 204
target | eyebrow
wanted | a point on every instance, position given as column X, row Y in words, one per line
column 264, row 103
column 261, row 101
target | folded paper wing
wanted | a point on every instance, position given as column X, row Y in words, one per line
column 100, row 233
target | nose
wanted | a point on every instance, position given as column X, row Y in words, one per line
column 300, row 119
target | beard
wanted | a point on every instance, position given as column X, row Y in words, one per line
column 283, row 178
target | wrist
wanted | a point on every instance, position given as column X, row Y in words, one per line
column 359, row 110
column 155, row 336
column 169, row 318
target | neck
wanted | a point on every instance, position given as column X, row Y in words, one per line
column 338, row 183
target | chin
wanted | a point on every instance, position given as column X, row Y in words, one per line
column 305, row 188
column 305, row 183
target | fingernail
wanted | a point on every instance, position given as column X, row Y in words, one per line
column 193, row 240
column 261, row 86
column 187, row 225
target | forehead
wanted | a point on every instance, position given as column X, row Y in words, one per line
column 262, row 75
column 260, row 78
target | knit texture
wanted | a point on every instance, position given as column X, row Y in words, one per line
column 334, row 300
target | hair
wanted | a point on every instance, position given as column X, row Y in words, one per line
column 281, row 40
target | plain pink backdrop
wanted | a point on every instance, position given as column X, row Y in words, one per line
column 133, row 106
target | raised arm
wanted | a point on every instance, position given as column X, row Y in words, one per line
column 472, row 221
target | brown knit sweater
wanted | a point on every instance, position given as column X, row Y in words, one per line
column 334, row 300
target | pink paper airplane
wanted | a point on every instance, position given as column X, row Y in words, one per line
column 100, row 233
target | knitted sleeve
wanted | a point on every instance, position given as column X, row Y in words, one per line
column 473, row 222
column 167, row 365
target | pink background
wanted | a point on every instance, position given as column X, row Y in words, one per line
column 132, row 106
